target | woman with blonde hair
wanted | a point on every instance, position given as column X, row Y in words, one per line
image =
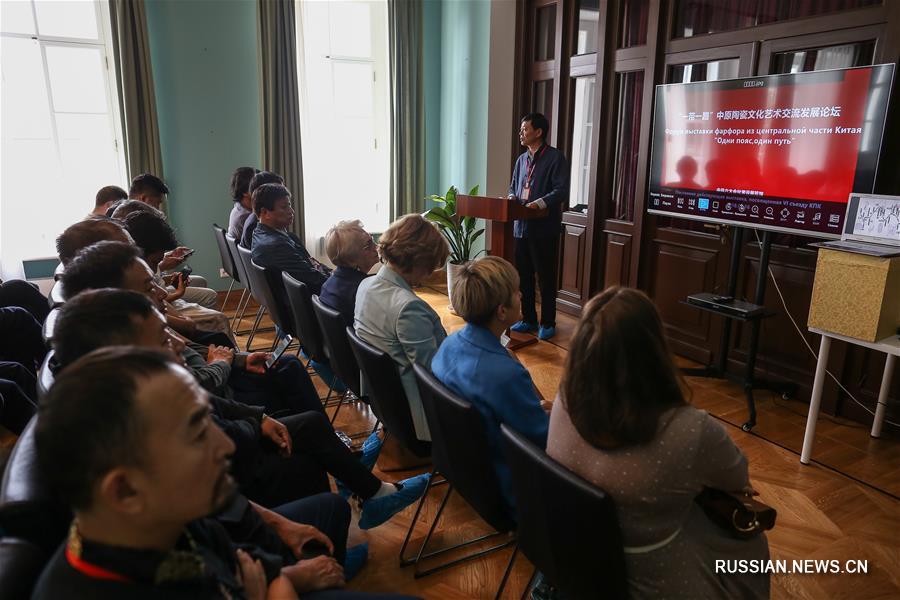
column 623, row 423
column 474, row 364
column 354, row 253
column 390, row 316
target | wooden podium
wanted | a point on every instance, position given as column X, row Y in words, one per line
column 500, row 214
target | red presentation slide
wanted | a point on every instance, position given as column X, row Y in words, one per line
column 782, row 151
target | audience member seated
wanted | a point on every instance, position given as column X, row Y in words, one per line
column 274, row 247
column 149, row 189
column 622, row 422
column 391, row 317
column 20, row 338
column 153, row 235
column 261, row 178
column 353, row 252
column 300, row 450
column 474, row 364
column 90, row 231
column 121, row 210
column 145, row 466
column 284, row 386
column 18, row 391
column 240, row 194
column 24, row 294
column 106, row 197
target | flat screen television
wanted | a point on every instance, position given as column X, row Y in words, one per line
column 777, row 152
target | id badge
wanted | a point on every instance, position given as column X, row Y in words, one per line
column 526, row 193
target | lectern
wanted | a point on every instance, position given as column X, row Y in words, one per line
column 501, row 212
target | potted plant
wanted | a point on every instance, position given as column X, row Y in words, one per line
column 459, row 230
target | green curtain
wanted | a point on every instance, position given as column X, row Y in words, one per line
column 407, row 107
column 280, row 98
column 134, row 74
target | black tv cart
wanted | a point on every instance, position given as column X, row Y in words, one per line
column 736, row 310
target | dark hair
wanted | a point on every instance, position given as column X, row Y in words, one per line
column 89, row 422
column 87, row 232
column 100, row 265
column 619, row 377
column 150, row 232
column 240, row 181
column 262, row 178
column 266, row 195
column 109, row 194
column 95, row 319
column 121, row 210
column 146, row 183
column 538, row 121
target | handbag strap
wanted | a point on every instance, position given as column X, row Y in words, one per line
column 651, row 547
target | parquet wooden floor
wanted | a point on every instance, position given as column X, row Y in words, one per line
column 822, row 514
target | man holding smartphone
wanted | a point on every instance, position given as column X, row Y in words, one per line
column 540, row 180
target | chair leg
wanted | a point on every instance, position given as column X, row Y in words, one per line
column 512, row 560
column 405, row 562
column 228, row 293
column 423, row 555
column 239, row 311
column 530, row 584
column 259, row 316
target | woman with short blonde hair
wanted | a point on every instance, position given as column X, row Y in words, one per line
column 390, row 316
column 481, row 286
column 354, row 253
column 474, row 364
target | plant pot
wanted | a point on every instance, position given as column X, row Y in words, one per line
column 452, row 271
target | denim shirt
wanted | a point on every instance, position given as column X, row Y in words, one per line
column 474, row 365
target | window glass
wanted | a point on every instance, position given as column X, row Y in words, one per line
column 633, row 23
column 16, row 17
column 70, row 19
column 545, row 38
column 588, row 26
column 582, row 134
column 629, row 95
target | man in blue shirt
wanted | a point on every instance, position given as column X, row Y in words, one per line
column 540, row 180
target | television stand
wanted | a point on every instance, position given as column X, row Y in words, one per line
column 737, row 310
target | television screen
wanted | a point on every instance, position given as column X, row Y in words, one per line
column 778, row 152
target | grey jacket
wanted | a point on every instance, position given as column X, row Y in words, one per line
column 391, row 317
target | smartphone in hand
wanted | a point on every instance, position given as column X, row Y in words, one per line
column 279, row 350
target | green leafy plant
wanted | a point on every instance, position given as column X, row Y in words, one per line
column 459, row 230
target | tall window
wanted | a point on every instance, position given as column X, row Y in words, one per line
column 60, row 126
column 344, row 115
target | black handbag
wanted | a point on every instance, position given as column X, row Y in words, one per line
column 739, row 514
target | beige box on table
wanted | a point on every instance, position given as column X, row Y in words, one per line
column 856, row 295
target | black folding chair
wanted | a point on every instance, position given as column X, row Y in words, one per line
column 241, row 272
column 308, row 330
column 228, row 265
column 568, row 527
column 49, row 325
column 29, row 509
column 261, row 291
column 21, row 563
column 461, row 453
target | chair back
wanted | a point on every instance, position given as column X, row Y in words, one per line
column 225, row 253
column 21, row 563
column 261, row 287
column 568, row 527
column 386, row 395
column 29, row 509
column 304, row 319
column 49, row 325
column 460, row 450
column 45, row 376
column 334, row 336
column 239, row 268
